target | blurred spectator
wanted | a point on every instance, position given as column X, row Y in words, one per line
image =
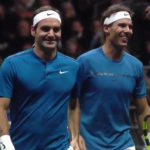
column 24, row 4
column 96, row 32
column 68, row 14
column 147, row 75
column 23, row 36
column 148, row 95
column 1, row 60
column 99, row 7
column 23, row 28
column 67, row 9
column 78, row 32
column 40, row 3
column 86, row 32
column 141, row 28
column 77, row 28
column 21, row 9
column 44, row 2
column 84, row 11
column 7, row 3
column 145, row 58
column 147, row 12
column 5, row 38
column 26, row 45
column 147, row 82
column 72, row 48
column 16, row 12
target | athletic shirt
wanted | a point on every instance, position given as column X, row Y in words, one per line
column 39, row 93
column 105, row 88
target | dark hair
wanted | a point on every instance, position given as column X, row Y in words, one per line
column 108, row 12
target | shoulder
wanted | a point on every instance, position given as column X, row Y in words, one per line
column 134, row 63
column 19, row 55
column 132, row 59
column 90, row 54
column 67, row 59
column 16, row 58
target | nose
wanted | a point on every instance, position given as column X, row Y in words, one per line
column 128, row 29
column 51, row 33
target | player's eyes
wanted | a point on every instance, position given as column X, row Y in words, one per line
column 56, row 29
column 45, row 29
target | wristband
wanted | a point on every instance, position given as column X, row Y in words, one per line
column 146, row 135
column 6, row 143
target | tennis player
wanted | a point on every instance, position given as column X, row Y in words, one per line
column 108, row 78
column 36, row 84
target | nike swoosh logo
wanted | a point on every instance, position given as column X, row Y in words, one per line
column 49, row 14
column 63, row 72
column 126, row 14
column 2, row 146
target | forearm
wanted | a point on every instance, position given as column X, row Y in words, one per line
column 5, row 138
column 142, row 110
column 74, row 119
column 4, row 124
column 141, row 119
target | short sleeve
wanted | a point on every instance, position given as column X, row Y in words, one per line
column 6, row 79
column 81, row 77
column 140, row 90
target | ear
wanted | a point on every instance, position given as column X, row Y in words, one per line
column 106, row 29
column 32, row 31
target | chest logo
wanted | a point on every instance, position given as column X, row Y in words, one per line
column 63, row 72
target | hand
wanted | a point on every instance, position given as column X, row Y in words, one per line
column 75, row 144
column 143, row 138
column 81, row 143
column 6, row 143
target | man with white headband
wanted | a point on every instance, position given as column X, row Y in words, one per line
column 108, row 78
column 36, row 85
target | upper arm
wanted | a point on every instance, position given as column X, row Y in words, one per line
column 81, row 77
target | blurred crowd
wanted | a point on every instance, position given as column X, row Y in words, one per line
column 81, row 28
column 81, row 25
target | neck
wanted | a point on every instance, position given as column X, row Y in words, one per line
column 113, row 52
column 46, row 55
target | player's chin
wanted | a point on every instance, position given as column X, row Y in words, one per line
column 51, row 46
column 124, row 44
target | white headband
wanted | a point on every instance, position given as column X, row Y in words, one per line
column 116, row 16
column 45, row 15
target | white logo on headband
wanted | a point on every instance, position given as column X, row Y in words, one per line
column 116, row 16
column 45, row 15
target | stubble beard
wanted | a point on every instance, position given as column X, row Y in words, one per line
column 45, row 47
